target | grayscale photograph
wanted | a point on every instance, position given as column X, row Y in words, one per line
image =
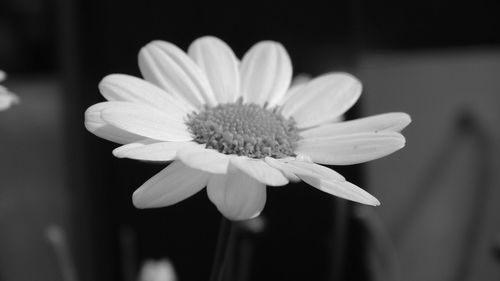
column 343, row 140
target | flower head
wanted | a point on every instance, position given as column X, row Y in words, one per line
column 236, row 127
column 6, row 97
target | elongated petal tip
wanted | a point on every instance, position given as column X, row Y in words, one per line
column 137, row 202
column 97, row 126
column 120, row 152
column 347, row 191
column 368, row 199
column 351, row 149
column 399, row 143
column 371, row 202
column 365, row 197
column 403, row 120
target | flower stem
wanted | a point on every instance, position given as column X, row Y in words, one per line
column 223, row 249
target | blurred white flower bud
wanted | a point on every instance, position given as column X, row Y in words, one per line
column 161, row 270
column 6, row 98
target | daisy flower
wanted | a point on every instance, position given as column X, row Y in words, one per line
column 6, row 98
column 236, row 127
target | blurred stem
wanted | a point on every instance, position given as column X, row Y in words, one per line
column 56, row 236
column 223, row 249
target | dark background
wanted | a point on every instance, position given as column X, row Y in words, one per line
column 309, row 235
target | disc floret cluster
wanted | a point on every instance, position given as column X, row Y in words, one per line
column 244, row 129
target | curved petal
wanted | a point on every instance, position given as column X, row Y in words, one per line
column 97, row 126
column 346, row 190
column 167, row 66
column 324, row 179
column 208, row 160
column 298, row 83
column 236, row 195
column 173, row 184
column 266, row 73
column 310, row 170
column 282, row 167
column 395, row 121
column 121, row 87
column 145, row 121
column 259, row 170
column 151, row 151
column 220, row 65
column 216, row 190
column 350, row 149
column 323, row 99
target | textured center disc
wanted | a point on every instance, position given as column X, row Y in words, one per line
column 244, row 129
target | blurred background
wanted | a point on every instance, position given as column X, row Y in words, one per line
column 437, row 60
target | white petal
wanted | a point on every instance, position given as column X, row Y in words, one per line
column 145, row 121
column 323, row 99
column 152, row 151
column 324, row 179
column 283, row 167
column 97, row 126
column 167, row 66
column 173, row 184
column 266, row 73
column 346, row 190
column 298, row 83
column 216, row 189
column 121, row 87
column 311, row 171
column 220, row 65
column 237, row 195
column 2, row 75
column 208, row 160
column 350, row 149
column 259, row 170
column 395, row 121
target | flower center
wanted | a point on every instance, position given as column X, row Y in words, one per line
column 244, row 129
